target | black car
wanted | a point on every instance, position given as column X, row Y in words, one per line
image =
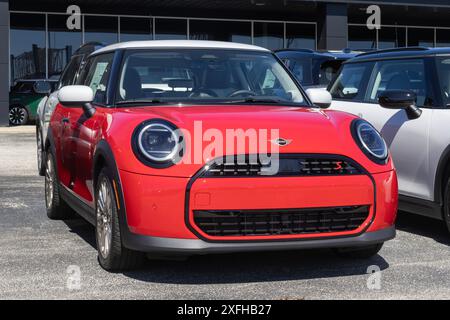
column 314, row 68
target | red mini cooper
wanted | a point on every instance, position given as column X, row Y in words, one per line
column 196, row 147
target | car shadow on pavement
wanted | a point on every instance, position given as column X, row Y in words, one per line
column 254, row 267
column 242, row 267
column 83, row 229
column 423, row 226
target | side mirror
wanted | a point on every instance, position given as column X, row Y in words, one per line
column 319, row 97
column 77, row 96
column 42, row 87
column 400, row 99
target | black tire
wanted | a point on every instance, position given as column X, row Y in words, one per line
column 116, row 257
column 447, row 204
column 57, row 209
column 364, row 252
column 40, row 152
column 18, row 115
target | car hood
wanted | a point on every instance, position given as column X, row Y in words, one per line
column 309, row 130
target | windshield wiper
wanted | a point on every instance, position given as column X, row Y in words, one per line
column 257, row 100
column 140, row 101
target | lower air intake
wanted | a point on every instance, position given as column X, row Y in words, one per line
column 280, row 222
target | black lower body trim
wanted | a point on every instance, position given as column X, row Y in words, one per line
column 83, row 209
column 198, row 246
column 421, row 207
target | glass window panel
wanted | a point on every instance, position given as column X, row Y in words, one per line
column 269, row 35
column 443, row 68
column 408, row 74
column 187, row 75
column 62, row 42
column 360, row 38
column 420, row 37
column 391, row 37
column 170, row 29
column 300, row 36
column 100, row 29
column 27, row 46
column 443, row 38
column 98, row 75
column 136, row 29
column 221, row 31
column 349, row 84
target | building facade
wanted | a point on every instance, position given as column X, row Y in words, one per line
column 39, row 36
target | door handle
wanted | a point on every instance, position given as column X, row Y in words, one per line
column 65, row 120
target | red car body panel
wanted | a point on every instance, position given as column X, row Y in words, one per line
column 155, row 199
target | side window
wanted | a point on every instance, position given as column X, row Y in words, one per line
column 399, row 75
column 443, row 68
column 302, row 70
column 24, row 87
column 70, row 72
column 349, row 84
column 96, row 74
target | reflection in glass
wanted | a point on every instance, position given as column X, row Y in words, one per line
column 300, row 36
column 170, row 29
column 136, row 29
column 269, row 35
column 442, row 37
column 220, row 31
column 27, row 47
column 62, row 43
column 101, row 29
column 420, row 37
column 359, row 37
column 391, row 37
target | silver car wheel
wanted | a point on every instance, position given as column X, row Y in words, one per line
column 49, row 180
column 39, row 150
column 104, row 217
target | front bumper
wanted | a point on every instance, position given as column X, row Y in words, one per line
column 197, row 246
column 162, row 207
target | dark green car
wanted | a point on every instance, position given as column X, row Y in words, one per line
column 24, row 99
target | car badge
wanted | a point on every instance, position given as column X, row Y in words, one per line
column 281, row 142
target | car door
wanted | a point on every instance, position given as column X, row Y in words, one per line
column 407, row 139
column 82, row 131
column 59, row 115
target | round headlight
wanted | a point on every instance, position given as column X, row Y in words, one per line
column 369, row 140
column 158, row 142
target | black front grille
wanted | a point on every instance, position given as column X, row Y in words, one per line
column 280, row 222
column 288, row 165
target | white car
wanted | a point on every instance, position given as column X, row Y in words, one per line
column 405, row 94
column 46, row 106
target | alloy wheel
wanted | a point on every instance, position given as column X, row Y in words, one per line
column 104, row 217
column 49, row 179
column 17, row 116
column 39, row 150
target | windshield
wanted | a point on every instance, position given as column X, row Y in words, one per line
column 205, row 76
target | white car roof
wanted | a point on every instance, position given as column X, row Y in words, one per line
column 198, row 44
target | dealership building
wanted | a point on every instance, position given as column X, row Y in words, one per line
column 36, row 40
